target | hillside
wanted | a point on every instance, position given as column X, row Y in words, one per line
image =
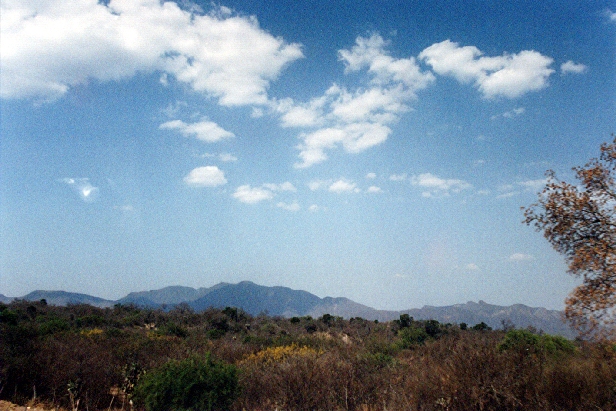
column 285, row 302
column 65, row 298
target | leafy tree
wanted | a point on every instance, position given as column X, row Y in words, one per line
column 580, row 222
column 481, row 327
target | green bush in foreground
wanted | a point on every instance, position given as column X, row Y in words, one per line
column 193, row 384
column 526, row 342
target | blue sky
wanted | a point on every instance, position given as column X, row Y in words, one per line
column 379, row 151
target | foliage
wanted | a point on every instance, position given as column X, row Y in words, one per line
column 97, row 358
column 195, row 384
column 526, row 342
column 412, row 336
column 580, row 223
column 280, row 354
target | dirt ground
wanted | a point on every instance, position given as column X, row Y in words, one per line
column 9, row 406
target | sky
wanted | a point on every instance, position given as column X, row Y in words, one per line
column 375, row 150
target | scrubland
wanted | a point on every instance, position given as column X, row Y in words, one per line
column 87, row 358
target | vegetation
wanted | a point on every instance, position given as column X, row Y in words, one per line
column 85, row 358
column 579, row 220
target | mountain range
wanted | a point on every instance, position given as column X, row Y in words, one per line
column 283, row 301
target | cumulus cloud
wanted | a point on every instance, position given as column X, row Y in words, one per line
column 343, row 186
column 48, row 47
column 570, row 67
column 251, row 195
column 208, row 176
column 82, row 186
column 374, row 189
column 471, row 267
column 509, row 75
column 398, row 177
column 438, row 187
column 520, row 257
column 204, row 130
column 355, row 120
column 371, row 176
column 267, row 191
column 354, row 138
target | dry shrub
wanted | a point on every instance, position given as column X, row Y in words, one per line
column 304, row 378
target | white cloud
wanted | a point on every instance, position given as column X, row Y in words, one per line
column 286, row 186
column 267, row 191
column 398, row 177
column 374, row 189
column 508, row 194
column 471, row 267
column 315, row 185
column 520, row 257
column 370, row 176
column 50, row 46
column 571, row 67
column 512, row 190
column 226, row 157
column 514, row 113
column 204, row 130
column 437, row 187
column 371, row 53
column 294, row 206
column 355, row 120
column 252, row 195
column 533, row 185
column 125, row 208
column 82, row 186
column 510, row 75
column 518, row 111
column 611, row 15
column 343, row 186
column 314, row 208
column 354, row 138
column 208, row 176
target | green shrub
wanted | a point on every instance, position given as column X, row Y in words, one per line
column 525, row 341
column 53, row 325
column 412, row 336
column 556, row 344
column 193, row 384
column 520, row 341
column 174, row 330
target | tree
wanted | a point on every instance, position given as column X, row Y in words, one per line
column 580, row 223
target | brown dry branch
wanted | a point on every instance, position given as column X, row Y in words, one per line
column 580, row 223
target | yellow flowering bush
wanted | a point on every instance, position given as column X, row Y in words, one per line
column 280, row 354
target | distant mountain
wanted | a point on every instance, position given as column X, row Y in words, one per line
column 168, row 295
column 343, row 307
column 521, row 316
column 4, row 299
column 257, row 299
column 283, row 301
column 65, row 298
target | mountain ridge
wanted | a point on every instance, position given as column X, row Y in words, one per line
column 286, row 302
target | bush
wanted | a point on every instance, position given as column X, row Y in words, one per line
column 526, row 342
column 193, row 384
column 412, row 336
